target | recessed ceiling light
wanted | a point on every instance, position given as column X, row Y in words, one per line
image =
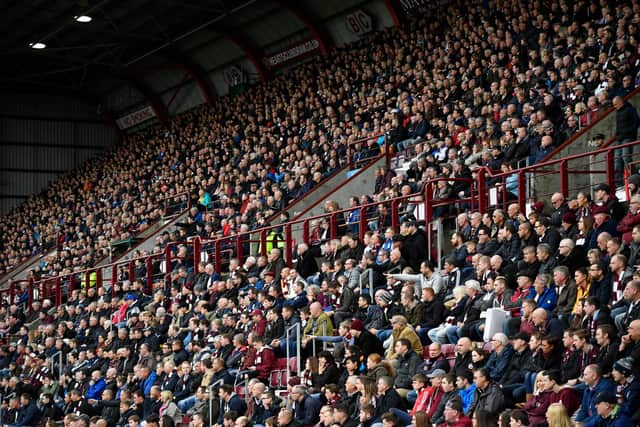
column 37, row 45
column 83, row 18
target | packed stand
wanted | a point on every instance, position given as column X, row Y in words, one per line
column 413, row 353
column 416, row 352
column 504, row 84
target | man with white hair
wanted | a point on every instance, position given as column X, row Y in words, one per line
column 501, row 354
column 472, row 311
column 571, row 256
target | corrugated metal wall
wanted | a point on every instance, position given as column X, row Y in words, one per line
column 42, row 137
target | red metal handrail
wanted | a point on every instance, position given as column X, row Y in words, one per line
column 476, row 201
column 484, row 173
column 585, row 129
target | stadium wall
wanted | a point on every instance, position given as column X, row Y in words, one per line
column 43, row 136
column 607, row 126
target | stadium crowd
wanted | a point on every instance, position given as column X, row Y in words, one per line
column 493, row 86
column 501, row 84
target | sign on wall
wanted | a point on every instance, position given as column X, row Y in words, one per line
column 233, row 76
column 135, row 118
column 291, row 53
column 359, row 23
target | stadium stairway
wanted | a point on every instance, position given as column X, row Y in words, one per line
column 345, row 181
column 581, row 143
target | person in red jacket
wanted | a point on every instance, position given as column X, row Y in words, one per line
column 259, row 323
column 453, row 415
column 630, row 220
column 265, row 360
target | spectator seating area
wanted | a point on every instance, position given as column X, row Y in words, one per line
column 510, row 83
column 533, row 318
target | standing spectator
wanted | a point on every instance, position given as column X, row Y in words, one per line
column 627, row 122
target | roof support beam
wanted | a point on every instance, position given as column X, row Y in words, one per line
column 196, row 72
column 252, row 53
column 152, row 98
column 393, row 11
column 316, row 32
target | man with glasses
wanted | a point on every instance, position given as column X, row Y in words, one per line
column 571, row 256
column 600, row 282
column 560, row 207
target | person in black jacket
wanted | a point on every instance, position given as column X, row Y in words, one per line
column 414, row 245
column 509, row 241
column 365, row 340
column 108, row 408
column 432, row 314
column 463, row 362
column 388, row 397
column 305, row 407
column 488, row 395
column 186, row 384
column 79, row 405
column 307, row 265
column 327, row 371
column 513, row 376
column 50, row 411
column 408, row 363
column 626, row 131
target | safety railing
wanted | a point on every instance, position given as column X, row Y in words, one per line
column 216, row 385
column 579, row 172
column 298, row 339
column 158, row 267
column 487, row 191
column 52, row 359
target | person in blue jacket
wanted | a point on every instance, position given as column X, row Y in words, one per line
column 545, row 296
column 596, row 385
column 609, row 412
column 466, row 389
column 628, row 387
column 96, row 386
column 28, row 414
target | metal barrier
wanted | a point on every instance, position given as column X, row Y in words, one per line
column 57, row 354
column 571, row 174
column 369, row 273
column 298, row 338
column 599, row 163
column 210, row 391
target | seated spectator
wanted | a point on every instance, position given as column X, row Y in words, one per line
column 305, row 407
column 488, row 395
column 501, row 354
column 596, row 385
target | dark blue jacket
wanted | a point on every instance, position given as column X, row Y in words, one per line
column 236, row 404
column 28, row 416
column 307, row 411
column 587, row 411
column 498, row 363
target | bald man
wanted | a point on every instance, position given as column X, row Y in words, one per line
column 542, row 323
column 630, row 345
column 319, row 324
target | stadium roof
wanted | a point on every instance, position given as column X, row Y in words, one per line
column 127, row 38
